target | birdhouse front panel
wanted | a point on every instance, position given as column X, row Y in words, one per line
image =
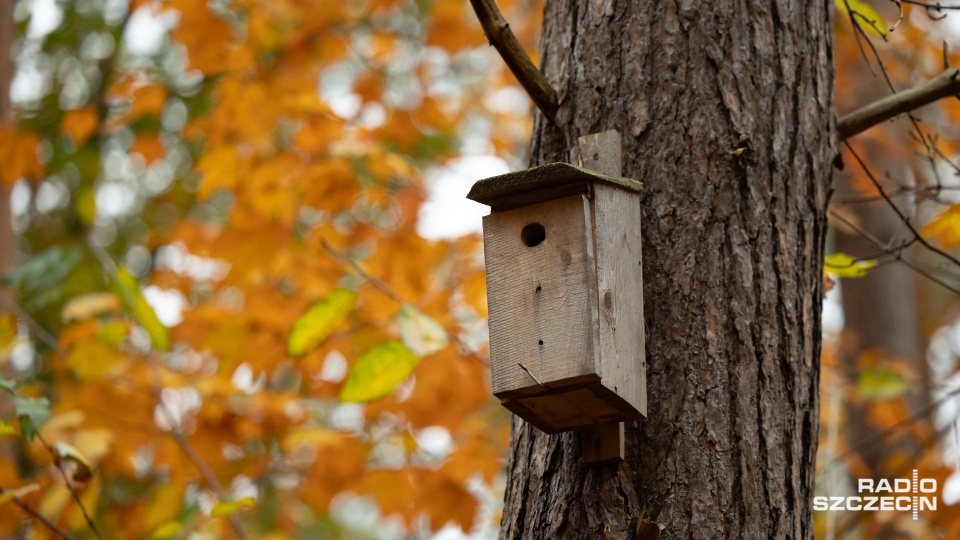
column 539, row 269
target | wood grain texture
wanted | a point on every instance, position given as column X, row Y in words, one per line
column 503, row 189
column 603, row 444
column 602, row 152
column 732, row 255
column 542, row 310
column 617, row 222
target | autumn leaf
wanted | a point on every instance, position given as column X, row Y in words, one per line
column 843, row 265
column 32, row 413
column 89, row 305
column 421, row 334
column 223, row 509
column 316, row 325
column 137, row 307
column 73, row 463
column 881, row 383
column 167, row 530
column 866, row 16
column 6, row 429
column 18, row 154
column 7, row 495
column 379, row 372
column 945, row 227
column 80, row 124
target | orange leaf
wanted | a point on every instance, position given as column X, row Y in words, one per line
column 80, row 124
column 18, row 154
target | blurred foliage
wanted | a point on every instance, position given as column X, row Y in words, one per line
column 874, row 402
column 252, row 171
column 193, row 183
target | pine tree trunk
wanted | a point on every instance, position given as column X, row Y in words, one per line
column 726, row 109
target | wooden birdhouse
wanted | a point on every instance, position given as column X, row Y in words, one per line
column 565, row 290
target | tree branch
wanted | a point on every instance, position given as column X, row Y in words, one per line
column 501, row 37
column 38, row 516
column 944, row 85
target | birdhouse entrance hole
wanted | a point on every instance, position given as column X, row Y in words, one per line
column 533, row 234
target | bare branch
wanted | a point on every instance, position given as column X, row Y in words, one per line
column 69, row 484
column 39, row 517
column 944, row 85
column 501, row 37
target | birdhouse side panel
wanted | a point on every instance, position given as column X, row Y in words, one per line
column 620, row 294
column 541, row 292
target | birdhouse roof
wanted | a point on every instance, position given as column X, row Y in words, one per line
column 543, row 183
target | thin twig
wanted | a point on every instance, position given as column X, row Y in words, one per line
column 944, row 85
column 39, row 517
column 906, row 221
column 896, row 254
column 501, row 37
column 385, row 289
column 69, row 485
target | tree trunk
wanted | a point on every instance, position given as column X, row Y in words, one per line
column 727, row 114
column 7, row 244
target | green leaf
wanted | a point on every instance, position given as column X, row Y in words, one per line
column 421, row 334
column 223, row 509
column 881, row 383
column 843, row 265
column 8, row 384
column 137, row 307
column 378, row 372
column 316, row 325
column 31, row 414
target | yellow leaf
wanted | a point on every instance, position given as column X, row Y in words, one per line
column 881, row 383
column 167, row 530
column 863, row 12
column 6, row 429
column 137, row 306
column 945, row 227
column 421, row 334
column 316, row 325
column 223, row 509
column 10, row 494
column 843, row 265
column 378, row 372
column 85, row 306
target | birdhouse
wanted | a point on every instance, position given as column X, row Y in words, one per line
column 565, row 295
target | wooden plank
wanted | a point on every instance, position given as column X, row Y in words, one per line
column 603, row 444
column 544, row 180
column 602, row 152
column 620, row 294
column 542, row 300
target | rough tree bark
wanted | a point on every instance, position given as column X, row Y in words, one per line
column 727, row 114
